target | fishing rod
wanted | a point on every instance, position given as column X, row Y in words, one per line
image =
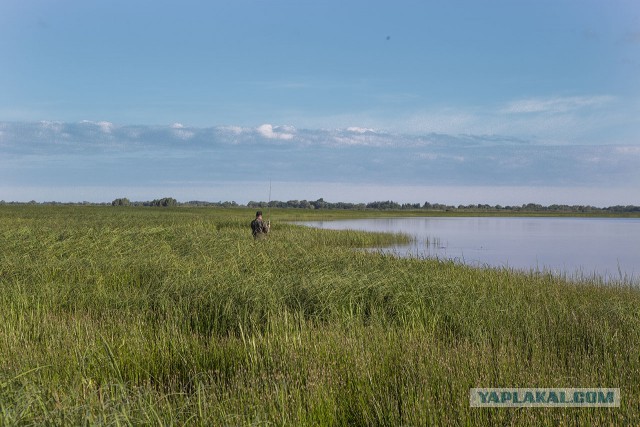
column 269, row 206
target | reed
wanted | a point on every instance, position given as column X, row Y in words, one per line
column 177, row 316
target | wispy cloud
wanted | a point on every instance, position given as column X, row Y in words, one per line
column 587, row 119
column 555, row 105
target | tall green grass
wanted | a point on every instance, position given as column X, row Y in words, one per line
column 177, row 316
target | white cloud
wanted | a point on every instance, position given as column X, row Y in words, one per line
column 278, row 132
column 106, row 127
column 353, row 136
column 51, row 125
column 356, row 129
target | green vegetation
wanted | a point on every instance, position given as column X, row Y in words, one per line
column 482, row 209
column 124, row 315
column 431, row 209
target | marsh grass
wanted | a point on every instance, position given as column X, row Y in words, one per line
column 177, row 316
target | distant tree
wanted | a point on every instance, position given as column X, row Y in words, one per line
column 319, row 204
column 532, row 207
column 411, row 206
column 121, row 202
column 168, row 201
column 383, row 205
column 304, row 204
column 164, row 202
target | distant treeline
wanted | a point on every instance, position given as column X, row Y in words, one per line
column 391, row 205
column 322, row 204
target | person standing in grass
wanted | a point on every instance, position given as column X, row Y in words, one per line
column 259, row 228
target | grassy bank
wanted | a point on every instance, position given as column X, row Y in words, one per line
column 149, row 315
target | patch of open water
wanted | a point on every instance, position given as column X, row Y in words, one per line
column 608, row 248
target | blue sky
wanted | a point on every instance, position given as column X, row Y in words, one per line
column 457, row 102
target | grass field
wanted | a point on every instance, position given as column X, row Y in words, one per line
column 177, row 316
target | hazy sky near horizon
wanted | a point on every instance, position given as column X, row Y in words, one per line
column 103, row 99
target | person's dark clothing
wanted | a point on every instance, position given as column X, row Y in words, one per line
column 259, row 228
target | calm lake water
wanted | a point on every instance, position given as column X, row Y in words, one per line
column 576, row 247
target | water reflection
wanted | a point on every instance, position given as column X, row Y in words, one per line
column 577, row 247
